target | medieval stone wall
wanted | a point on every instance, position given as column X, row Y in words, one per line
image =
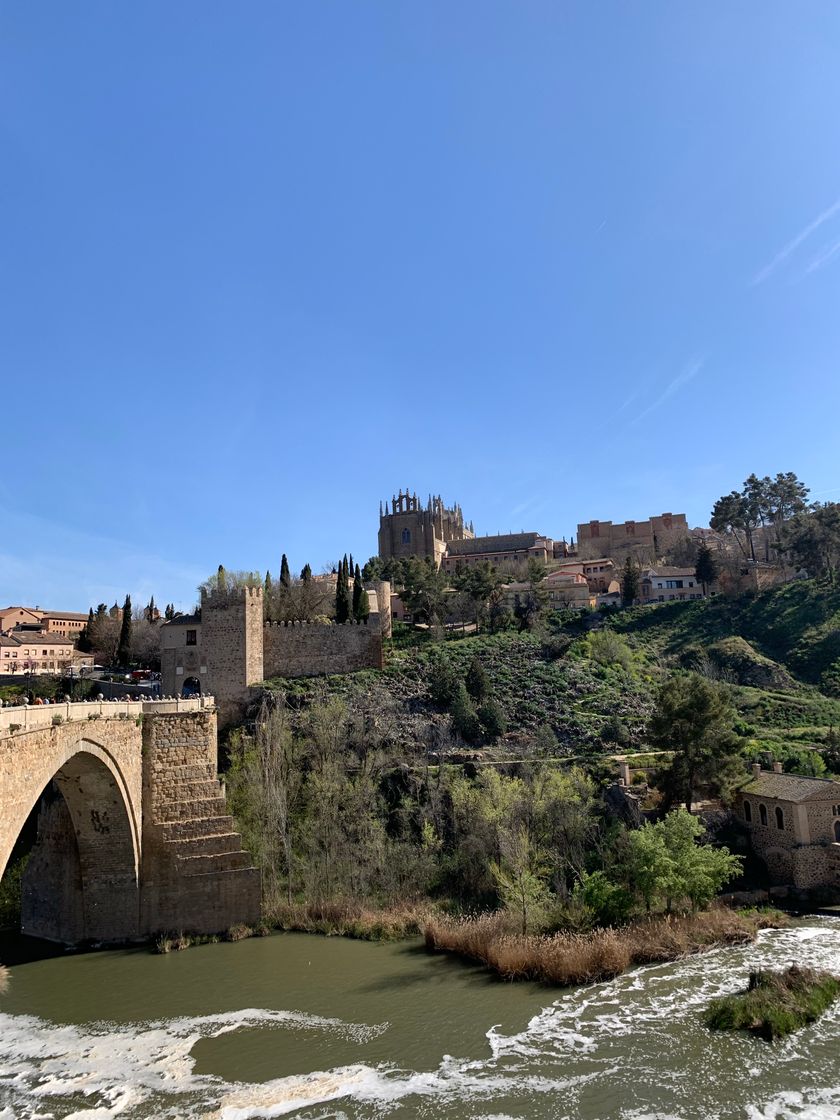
column 314, row 649
column 232, row 643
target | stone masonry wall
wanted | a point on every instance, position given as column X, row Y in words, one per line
column 232, row 644
column 312, row 649
column 196, row 875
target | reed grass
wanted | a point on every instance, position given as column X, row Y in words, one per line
column 347, row 918
column 775, row 1003
column 579, row 958
column 4, row 979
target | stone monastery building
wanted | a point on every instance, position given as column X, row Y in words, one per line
column 794, row 825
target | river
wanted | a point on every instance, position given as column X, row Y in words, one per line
column 316, row 1028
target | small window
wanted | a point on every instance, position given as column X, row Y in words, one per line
column 747, row 811
column 780, row 818
column 406, row 536
column 762, row 814
column 192, row 637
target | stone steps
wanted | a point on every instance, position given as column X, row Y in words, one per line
column 188, row 828
column 216, row 863
column 213, row 844
column 199, row 808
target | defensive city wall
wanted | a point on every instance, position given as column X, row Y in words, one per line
column 226, row 648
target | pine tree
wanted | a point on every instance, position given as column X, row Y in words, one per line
column 476, row 681
column 285, row 574
column 124, row 646
column 706, row 570
column 361, row 606
column 342, row 594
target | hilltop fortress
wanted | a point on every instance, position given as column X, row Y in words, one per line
column 225, row 648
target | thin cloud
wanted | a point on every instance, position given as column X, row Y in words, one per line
column 687, row 374
column 823, row 257
column 793, row 245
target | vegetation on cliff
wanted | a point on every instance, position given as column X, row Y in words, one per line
column 775, row 1003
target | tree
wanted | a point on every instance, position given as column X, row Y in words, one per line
column 342, row 594
column 694, row 720
column 492, row 719
column 85, row 640
column 706, row 570
column 306, row 574
column 124, row 645
column 169, row 613
column 520, row 877
column 221, row 579
column 361, row 604
column 476, row 681
column 630, row 582
column 665, row 864
column 464, row 716
column 813, row 537
column 285, row 574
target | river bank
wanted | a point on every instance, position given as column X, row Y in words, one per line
column 580, row 958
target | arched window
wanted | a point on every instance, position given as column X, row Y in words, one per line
column 406, row 536
column 780, row 818
column 747, row 811
column 762, row 814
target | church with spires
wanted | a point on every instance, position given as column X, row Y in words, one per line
column 408, row 528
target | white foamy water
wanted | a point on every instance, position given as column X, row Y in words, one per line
column 632, row 1048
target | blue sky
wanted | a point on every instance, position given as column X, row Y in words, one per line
column 264, row 264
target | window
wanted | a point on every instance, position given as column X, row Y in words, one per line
column 780, row 818
column 762, row 814
column 192, row 637
column 747, row 811
column 673, row 583
column 406, row 536
column 837, row 832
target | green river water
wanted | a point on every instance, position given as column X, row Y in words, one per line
column 294, row 1025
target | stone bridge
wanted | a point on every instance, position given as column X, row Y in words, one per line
column 133, row 833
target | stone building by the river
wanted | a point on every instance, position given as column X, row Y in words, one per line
column 794, row 826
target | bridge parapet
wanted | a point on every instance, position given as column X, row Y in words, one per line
column 34, row 717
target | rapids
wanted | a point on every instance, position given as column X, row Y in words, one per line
column 317, row 1028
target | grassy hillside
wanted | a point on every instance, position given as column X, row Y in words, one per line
column 770, row 649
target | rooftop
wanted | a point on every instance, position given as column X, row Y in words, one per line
column 790, row 787
column 505, row 542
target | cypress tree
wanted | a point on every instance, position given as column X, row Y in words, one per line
column 169, row 613
column 149, row 612
column 221, row 579
column 342, row 594
column 706, row 570
column 85, row 642
column 124, row 647
column 361, row 606
column 285, row 574
column 306, row 573
column 268, row 587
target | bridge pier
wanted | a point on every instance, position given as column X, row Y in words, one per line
column 134, row 837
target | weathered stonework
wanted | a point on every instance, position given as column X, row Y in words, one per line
column 133, row 833
column 794, row 826
column 226, row 649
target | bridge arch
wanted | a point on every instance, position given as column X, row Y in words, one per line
column 82, row 878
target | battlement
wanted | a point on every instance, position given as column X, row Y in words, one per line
column 325, row 624
column 230, row 596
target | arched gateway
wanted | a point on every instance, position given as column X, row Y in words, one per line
column 133, row 834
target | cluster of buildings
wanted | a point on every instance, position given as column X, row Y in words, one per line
column 584, row 574
column 34, row 641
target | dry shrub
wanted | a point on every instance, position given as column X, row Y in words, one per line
column 350, row 919
column 239, row 932
column 4, row 979
column 577, row 958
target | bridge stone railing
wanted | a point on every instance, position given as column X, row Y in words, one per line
column 31, row 717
